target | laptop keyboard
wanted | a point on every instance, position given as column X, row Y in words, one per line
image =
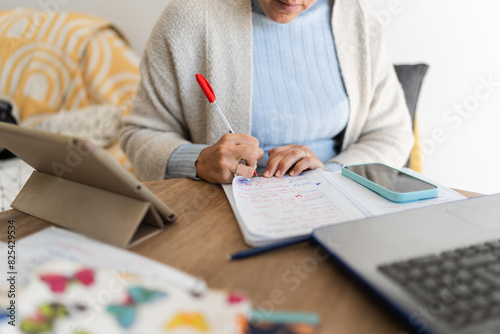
column 460, row 287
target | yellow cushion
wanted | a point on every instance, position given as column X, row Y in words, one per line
column 416, row 152
column 63, row 62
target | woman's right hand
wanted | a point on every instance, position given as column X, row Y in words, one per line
column 219, row 162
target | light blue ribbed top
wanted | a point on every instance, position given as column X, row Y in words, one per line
column 298, row 95
column 298, row 92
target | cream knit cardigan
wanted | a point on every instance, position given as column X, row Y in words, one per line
column 214, row 37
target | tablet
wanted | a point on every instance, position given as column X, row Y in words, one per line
column 78, row 160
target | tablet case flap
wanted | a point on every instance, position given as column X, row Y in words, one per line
column 103, row 215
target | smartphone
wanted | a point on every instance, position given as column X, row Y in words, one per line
column 390, row 182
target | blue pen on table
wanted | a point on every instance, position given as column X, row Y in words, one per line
column 209, row 93
column 260, row 250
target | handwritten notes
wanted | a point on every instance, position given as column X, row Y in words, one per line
column 275, row 209
column 290, row 206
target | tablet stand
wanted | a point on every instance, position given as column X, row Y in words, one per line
column 103, row 215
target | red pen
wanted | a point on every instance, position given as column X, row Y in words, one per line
column 209, row 93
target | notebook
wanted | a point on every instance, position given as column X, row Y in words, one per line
column 271, row 210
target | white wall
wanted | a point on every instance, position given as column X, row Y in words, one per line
column 135, row 18
column 460, row 40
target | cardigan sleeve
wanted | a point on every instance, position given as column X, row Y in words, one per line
column 182, row 161
column 156, row 126
column 379, row 129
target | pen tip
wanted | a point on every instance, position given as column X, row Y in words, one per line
column 229, row 257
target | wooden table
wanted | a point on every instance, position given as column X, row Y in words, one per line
column 297, row 278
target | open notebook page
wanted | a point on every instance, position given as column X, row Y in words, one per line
column 277, row 209
column 291, row 206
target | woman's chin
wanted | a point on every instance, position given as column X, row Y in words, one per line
column 282, row 16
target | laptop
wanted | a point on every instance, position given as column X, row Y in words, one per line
column 438, row 267
column 79, row 185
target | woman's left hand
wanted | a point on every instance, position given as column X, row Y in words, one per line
column 283, row 158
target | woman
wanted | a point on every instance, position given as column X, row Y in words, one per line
column 307, row 81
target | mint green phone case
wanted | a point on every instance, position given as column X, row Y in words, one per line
column 389, row 194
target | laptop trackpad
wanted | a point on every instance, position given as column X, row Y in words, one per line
column 483, row 216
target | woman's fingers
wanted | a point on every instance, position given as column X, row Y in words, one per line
column 245, row 171
column 275, row 156
column 291, row 158
column 282, row 158
column 282, row 161
column 305, row 164
column 232, row 158
column 239, row 153
column 219, row 162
